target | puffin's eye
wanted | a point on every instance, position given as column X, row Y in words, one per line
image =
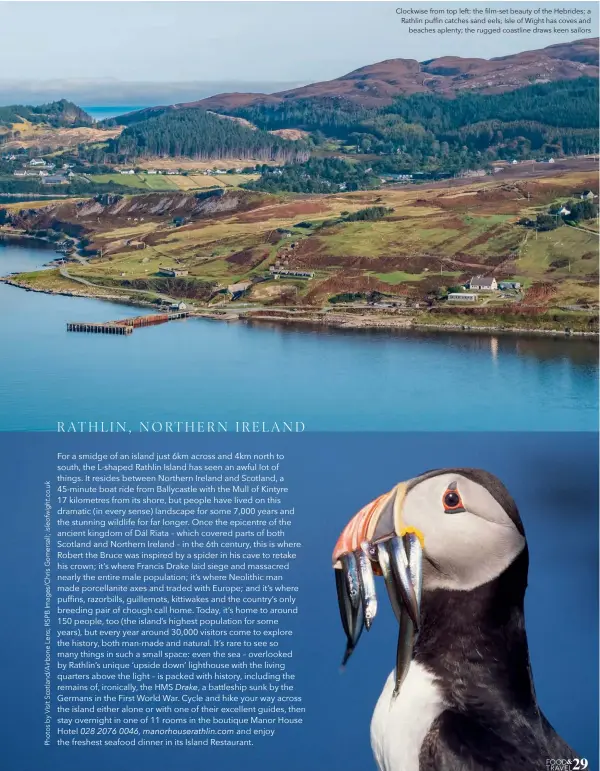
column 452, row 501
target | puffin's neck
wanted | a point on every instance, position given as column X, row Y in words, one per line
column 475, row 641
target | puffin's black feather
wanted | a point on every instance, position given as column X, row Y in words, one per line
column 475, row 645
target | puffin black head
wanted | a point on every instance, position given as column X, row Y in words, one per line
column 454, row 529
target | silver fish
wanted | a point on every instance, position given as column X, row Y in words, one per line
column 383, row 557
column 367, row 585
column 349, row 601
column 406, row 641
column 402, row 578
column 352, row 579
column 343, row 601
column 414, row 553
column 408, row 629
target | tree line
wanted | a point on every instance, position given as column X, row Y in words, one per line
column 195, row 133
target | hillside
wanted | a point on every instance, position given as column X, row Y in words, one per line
column 56, row 114
column 420, row 133
column 404, row 245
column 88, row 216
column 52, row 125
column 377, row 85
column 400, row 116
column 428, row 136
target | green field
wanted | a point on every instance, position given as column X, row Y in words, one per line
column 358, row 239
column 579, row 248
column 437, row 234
column 133, row 181
column 400, row 277
column 159, row 182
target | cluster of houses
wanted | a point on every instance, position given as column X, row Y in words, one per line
column 397, row 177
column 483, row 284
column 212, row 172
column 47, row 172
column 586, row 195
column 171, row 172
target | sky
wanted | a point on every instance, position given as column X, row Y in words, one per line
column 50, row 45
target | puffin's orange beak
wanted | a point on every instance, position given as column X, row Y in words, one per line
column 376, row 542
column 360, row 530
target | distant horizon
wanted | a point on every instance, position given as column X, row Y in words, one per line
column 124, row 93
column 167, row 52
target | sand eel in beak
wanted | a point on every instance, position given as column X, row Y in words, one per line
column 451, row 548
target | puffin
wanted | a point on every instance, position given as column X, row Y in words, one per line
column 451, row 549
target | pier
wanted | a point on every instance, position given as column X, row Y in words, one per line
column 155, row 318
column 108, row 328
column 124, row 326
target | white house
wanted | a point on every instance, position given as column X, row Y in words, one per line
column 487, row 283
column 127, row 171
column 37, row 162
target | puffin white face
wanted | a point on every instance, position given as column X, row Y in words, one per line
column 468, row 538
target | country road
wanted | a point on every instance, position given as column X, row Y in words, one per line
column 64, row 272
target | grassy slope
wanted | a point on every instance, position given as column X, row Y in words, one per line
column 40, row 135
column 455, row 232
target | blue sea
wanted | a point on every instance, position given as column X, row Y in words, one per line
column 109, row 111
column 197, row 369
